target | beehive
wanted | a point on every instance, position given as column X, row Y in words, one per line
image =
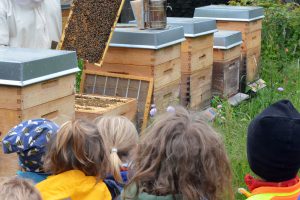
column 196, row 60
column 92, row 106
column 148, row 53
column 247, row 20
column 34, row 84
column 227, row 59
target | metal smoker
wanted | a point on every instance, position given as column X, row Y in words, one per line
column 150, row 14
column 157, row 14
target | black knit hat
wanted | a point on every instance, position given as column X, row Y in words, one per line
column 273, row 142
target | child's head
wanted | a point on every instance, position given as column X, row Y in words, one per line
column 121, row 138
column 77, row 146
column 17, row 189
column 29, row 140
column 273, row 143
column 182, row 155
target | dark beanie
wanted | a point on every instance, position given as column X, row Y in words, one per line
column 273, row 143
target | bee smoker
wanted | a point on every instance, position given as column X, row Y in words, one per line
column 150, row 14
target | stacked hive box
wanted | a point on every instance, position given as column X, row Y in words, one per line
column 34, row 84
column 227, row 56
column 148, row 53
column 196, row 61
column 247, row 20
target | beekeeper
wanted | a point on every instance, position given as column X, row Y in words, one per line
column 30, row 23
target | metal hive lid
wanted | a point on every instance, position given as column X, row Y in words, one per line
column 227, row 39
column 130, row 36
column 21, row 67
column 230, row 13
column 194, row 27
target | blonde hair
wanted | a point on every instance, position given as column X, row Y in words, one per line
column 182, row 155
column 14, row 188
column 77, row 145
column 121, row 137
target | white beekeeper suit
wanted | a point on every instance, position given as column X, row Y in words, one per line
column 30, row 23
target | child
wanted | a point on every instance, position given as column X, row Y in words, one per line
column 79, row 161
column 273, row 153
column 15, row 188
column 28, row 140
column 180, row 158
column 121, row 137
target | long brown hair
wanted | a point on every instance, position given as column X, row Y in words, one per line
column 121, row 138
column 77, row 145
column 182, row 155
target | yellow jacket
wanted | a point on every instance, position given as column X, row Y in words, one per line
column 73, row 184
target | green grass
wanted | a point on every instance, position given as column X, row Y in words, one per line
column 234, row 126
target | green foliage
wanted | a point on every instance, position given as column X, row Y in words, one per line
column 281, row 30
column 78, row 75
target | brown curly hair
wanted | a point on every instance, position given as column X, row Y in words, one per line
column 78, row 145
column 182, row 155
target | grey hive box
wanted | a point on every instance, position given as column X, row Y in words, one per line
column 131, row 37
column 226, row 67
column 194, row 27
column 22, row 67
column 230, row 13
column 227, row 39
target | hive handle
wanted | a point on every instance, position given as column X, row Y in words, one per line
column 51, row 115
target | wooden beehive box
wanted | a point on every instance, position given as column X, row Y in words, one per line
column 120, row 85
column 155, row 54
column 92, row 106
column 196, row 60
column 227, row 60
column 35, row 84
column 247, row 20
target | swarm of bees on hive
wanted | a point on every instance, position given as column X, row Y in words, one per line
column 89, row 27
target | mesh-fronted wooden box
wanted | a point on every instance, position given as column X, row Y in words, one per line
column 34, row 84
column 92, row 106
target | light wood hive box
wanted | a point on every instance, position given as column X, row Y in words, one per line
column 52, row 99
column 92, row 106
column 251, row 47
column 163, row 65
column 196, row 70
column 39, row 84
